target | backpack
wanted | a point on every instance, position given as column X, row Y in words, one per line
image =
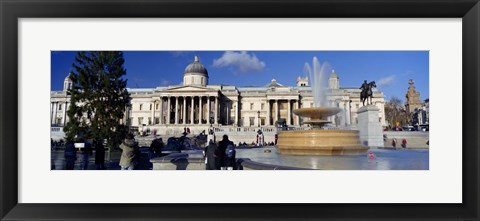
column 230, row 151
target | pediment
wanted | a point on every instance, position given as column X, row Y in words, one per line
column 190, row 88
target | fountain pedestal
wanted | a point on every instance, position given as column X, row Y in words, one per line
column 319, row 141
column 369, row 126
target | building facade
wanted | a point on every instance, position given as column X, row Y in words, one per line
column 198, row 105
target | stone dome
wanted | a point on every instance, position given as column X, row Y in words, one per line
column 196, row 68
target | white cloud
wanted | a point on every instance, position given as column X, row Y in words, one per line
column 241, row 62
column 164, row 82
column 386, row 81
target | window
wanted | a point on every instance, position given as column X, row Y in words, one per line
column 251, row 106
column 140, row 120
column 202, row 81
column 263, row 106
column 252, row 121
column 150, row 106
column 59, row 107
column 262, row 121
column 149, row 121
column 141, row 105
column 157, row 120
column 156, row 107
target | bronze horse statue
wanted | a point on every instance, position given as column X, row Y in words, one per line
column 367, row 93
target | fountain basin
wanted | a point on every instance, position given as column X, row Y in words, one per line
column 320, row 142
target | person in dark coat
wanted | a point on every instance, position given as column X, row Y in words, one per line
column 230, row 157
column 70, row 155
column 99, row 155
column 86, row 153
column 211, row 158
column 222, row 147
column 156, row 147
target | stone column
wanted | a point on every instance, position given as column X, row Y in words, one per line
column 176, row 109
column 153, row 112
column 216, row 110
column 349, row 114
column 298, row 117
column 67, row 105
column 65, row 114
column 269, row 113
column 52, row 108
column 55, row 107
column 208, row 110
column 289, row 121
column 227, row 106
column 184, row 110
column 169, row 109
column 200, row 109
column 276, row 110
column 192, row 109
column 236, row 113
column 161, row 110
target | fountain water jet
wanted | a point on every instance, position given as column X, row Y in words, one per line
column 319, row 141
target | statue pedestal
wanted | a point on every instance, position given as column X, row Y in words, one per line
column 369, row 126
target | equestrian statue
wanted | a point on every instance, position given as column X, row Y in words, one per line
column 367, row 92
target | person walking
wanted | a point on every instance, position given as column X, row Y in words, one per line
column 394, row 142
column 130, row 153
column 70, row 155
column 221, row 150
column 210, row 156
column 99, row 155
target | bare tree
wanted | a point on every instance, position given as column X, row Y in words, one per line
column 395, row 112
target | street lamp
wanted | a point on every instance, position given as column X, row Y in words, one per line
column 258, row 112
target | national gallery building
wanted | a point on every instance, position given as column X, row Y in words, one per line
column 227, row 108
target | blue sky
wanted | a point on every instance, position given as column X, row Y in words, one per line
column 391, row 70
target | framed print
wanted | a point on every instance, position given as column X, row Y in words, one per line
column 326, row 105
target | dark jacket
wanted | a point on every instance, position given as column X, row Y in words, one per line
column 210, row 151
column 99, row 153
column 222, row 147
column 156, row 147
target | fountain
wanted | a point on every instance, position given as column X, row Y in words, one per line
column 318, row 140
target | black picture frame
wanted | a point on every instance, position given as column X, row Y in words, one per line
column 11, row 11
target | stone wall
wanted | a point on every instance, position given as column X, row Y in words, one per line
column 415, row 139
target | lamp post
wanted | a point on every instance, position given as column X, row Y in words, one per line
column 258, row 112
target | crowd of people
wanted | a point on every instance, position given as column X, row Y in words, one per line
column 221, row 156
column 70, row 154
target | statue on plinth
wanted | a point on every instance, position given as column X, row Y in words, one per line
column 367, row 92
